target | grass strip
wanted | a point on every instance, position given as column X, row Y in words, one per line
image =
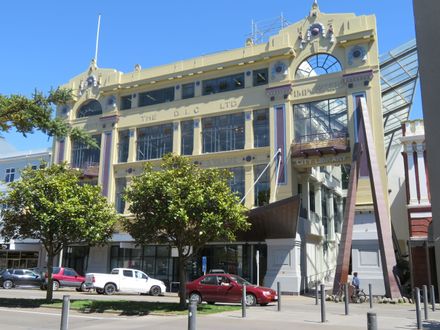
column 122, row 307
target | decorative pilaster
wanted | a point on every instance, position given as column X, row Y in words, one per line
column 411, row 174
column 420, row 148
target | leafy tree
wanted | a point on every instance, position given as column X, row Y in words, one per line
column 185, row 206
column 49, row 204
column 29, row 114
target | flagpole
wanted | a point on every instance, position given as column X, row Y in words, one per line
column 97, row 40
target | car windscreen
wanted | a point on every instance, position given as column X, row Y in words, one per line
column 240, row 280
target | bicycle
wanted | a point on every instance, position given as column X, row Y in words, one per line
column 356, row 296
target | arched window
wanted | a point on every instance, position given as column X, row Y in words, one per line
column 317, row 65
column 90, row 108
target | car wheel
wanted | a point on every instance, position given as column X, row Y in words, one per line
column 83, row 288
column 8, row 284
column 250, row 299
column 109, row 288
column 155, row 290
column 195, row 296
column 56, row 285
column 99, row 291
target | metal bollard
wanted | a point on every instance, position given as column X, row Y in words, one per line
column 192, row 315
column 425, row 301
column 370, row 294
column 279, row 296
column 346, row 298
column 65, row 313
column 316, row 293
column 322, row 303
column 372, row 321
column 418, row 312
column 243, row 302
column 433, row 298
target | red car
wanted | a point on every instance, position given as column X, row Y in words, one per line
column 228, row 288
column 67, row 277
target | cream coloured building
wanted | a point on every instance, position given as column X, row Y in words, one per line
column 281, row 111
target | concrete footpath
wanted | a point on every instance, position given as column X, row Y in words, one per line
column 297, row 312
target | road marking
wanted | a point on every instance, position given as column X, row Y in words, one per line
column 59, row 314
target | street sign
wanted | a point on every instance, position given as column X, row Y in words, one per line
column 204, row 265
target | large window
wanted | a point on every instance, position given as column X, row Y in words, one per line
column 223, row 133
column 91, row 108
column 124, row 139
column 223, row 84
column 156, row 96
column 188, row 91
column 126, row 102
column 187, row 137
column 236, row 183
column 121, row 184
column 9, row 174
column 260, row 77
column 154, row 142
column 317, row 65
column 322, row 120
column 261, row 128
column 84, row 156
column 262, row 187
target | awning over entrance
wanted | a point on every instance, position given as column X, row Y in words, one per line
column 275, row 220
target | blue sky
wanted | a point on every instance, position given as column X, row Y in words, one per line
column 47, row 42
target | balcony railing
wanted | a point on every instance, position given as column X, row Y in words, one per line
column 322, row 143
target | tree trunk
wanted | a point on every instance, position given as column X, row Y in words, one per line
column 182, row 280
column 49, row 292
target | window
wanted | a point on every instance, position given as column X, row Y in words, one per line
column 223, row 84
column 262, row 187
column 236, row 183
column 56, row 270
column 124, row 139
column 91, row 108
column 140, row 275
column 156, row 97
column 261, row 128
column 83, row 156
column 121, row 184
column 127, row 273
column 317, row 65
column 209, row 280
column 9, row 175
column 69, row 272
column 18, row 272
column 187, row 91
column 126, row 102
column 187, row 137
column 154, row 142
column 223, row 133
column 322, row 120
column 260, row 77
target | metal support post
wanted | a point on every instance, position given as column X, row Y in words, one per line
column 370, row 294
column 322, row 303
column 433, row 298
column 279, row 296
column 316, row 293
column 346, row 298
column 65, row 313
column 192, row 315
column 418, row 312
column 372, row 321
column 243, row 302
column 425, row 301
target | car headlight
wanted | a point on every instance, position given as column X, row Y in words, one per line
column 267, row 293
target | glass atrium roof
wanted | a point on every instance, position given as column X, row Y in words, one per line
column 399, row 70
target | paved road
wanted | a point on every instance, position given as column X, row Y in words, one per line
column 297, row 312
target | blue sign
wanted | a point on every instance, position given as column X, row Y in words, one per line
column 204, row 264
